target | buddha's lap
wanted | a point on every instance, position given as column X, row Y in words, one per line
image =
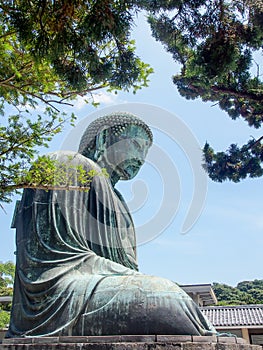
column 138, row 304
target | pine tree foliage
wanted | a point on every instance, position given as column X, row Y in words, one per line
column 236, row 163
column 218, row 45
column 86, row 43
column 51, row 53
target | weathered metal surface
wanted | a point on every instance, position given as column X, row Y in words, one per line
column 76, row 269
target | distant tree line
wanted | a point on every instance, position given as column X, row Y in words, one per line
column 7, row 274
column 246, row 292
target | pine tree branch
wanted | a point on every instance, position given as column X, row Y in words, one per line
column 255, row 143
column 239, row 94
column 9, row 188
column 7, row 34
column 14, row 147
column 20, row 70
column 25, row 92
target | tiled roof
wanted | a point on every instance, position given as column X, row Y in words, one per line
column 241, row 315
column 5, row 299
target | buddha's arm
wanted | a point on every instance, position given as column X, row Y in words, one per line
column 103, row 266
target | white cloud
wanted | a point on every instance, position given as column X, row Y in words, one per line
column 80, row 102
column 103, row 98
column 106, row 98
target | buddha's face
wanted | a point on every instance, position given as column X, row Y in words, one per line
column 124, row 154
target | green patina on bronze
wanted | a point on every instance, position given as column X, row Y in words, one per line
column 77, row 271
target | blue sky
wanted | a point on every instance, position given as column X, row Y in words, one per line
column 225, row 243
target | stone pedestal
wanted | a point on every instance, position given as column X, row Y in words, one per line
column 128, row 342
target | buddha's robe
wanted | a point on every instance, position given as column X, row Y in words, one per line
column 76, row 269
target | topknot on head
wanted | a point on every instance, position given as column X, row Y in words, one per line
column 117, row 122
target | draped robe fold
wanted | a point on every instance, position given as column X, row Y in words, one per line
column 76, row 269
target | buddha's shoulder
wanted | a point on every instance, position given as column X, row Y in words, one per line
column 73, row 158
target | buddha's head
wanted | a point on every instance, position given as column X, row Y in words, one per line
column 119, row 142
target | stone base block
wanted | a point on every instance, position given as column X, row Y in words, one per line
column 128, row 342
